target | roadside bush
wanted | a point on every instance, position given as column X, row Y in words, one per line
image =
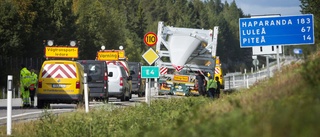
column 310, row 71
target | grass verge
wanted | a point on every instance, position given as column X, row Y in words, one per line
column 285, row 105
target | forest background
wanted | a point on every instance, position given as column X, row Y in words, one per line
column 25, row 24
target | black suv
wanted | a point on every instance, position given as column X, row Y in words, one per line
column 97, row 72
column 138, row 84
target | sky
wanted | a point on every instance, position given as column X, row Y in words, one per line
column 262, row 7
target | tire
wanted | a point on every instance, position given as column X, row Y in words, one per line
column 42, row 104
column 139, row 94
column 81, row 103
column 127, row 98
column 123, row 97
column 105, row 100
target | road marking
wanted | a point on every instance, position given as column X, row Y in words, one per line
column 37, row 112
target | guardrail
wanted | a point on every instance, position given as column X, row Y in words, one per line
column 243, row 80
column 15, row 93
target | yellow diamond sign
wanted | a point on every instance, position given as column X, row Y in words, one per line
column 150, row 56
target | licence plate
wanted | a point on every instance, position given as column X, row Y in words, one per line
column 180, row 93
column 58, row 85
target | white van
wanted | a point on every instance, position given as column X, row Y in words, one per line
column 119, row 86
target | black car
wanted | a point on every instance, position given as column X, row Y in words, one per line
column 138, row 84
column 97, row 72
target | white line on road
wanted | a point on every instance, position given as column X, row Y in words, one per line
column 37, row 112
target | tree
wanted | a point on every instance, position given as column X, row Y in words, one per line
column 312, row 7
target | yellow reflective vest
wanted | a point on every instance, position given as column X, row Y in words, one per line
column 211, row 84
column 34, row 78
column 25, row 77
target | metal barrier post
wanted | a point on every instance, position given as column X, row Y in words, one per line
column 247, row 81
column 229, row 82
column 233, row 81
column 86, row 99
column 9, row 104
column 244, row 80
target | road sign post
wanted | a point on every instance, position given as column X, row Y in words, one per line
column 150, row 56
column 149, row 72
column 282, row 30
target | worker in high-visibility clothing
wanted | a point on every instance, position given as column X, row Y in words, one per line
column 24, row 85
column 33, row 86
column 211, row 86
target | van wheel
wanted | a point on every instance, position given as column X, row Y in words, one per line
column 80, row 102
column 128, row 98
column 140, row 94
column 105, row 100
column 42, row 104
column 123, row 97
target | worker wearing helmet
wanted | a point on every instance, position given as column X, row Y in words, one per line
column 24, row 85
column 32, row 88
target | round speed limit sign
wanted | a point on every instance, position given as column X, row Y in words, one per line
column 150, row 39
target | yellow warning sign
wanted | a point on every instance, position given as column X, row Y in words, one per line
column 108, row 55
column 181, row 78
column 61, row 52
column 121, row 54
column 150, row 56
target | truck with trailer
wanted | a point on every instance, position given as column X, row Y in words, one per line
column 183, row 52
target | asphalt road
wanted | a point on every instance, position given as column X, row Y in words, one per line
column 19, row 114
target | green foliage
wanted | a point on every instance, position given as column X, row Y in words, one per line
column 25, row 24
column 310, row 70
column 311, row 7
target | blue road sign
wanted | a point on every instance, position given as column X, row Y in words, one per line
column 297, row 51
column 281, row 30
column 150, row 72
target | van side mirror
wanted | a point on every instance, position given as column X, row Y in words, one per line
column 110, row 74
